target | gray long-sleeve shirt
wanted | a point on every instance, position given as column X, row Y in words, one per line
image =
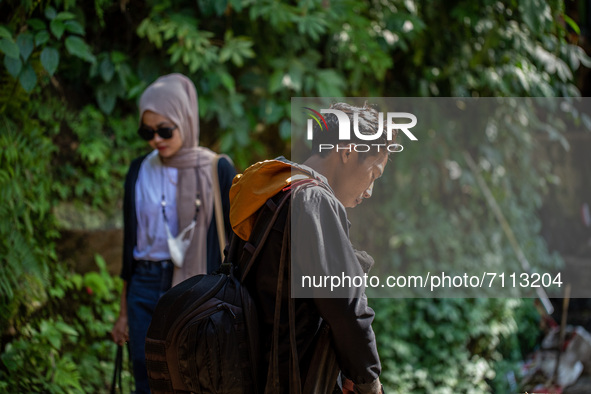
column 321, row 249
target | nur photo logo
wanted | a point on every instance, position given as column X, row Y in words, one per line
column 344, row 129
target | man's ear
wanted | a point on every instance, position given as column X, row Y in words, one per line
column 345, row 153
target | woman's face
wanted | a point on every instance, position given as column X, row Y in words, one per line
column 166, row 147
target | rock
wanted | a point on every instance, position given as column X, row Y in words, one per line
column 79, row 247
column 86, row 232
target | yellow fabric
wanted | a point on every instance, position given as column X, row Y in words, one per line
column 254, row 187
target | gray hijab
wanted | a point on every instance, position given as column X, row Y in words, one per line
column 174, row 97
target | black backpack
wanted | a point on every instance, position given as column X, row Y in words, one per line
column 204, row 336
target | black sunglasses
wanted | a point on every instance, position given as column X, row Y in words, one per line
column 147, row 133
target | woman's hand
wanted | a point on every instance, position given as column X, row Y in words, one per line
column 119, row 332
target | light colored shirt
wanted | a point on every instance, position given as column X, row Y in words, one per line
column 154, row 181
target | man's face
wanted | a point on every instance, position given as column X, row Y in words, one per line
column 357, row 175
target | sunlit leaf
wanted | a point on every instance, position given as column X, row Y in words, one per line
column 573, row 25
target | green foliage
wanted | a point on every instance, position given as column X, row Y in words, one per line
column 26, row 225
column 451, row 345
column 413, row 334
column 97, row 150
column 36, row 43
column 70, row 76
column 64, row 347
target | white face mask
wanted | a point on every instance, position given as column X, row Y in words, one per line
column 178, row 245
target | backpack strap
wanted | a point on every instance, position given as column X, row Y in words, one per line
column 267, row 218
column 294, row 377
column 324, row 369
column 273, row 385
column 238, row 254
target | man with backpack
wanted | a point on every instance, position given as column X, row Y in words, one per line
column 305, row 341
column 254, row 327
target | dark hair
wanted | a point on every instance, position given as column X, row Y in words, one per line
column 368, row 125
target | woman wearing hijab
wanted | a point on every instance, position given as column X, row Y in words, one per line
column 170, row 231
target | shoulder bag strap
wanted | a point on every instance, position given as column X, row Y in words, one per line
column 219, row 213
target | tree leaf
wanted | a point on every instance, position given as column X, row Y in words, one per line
column 227, row 81
column 77, row 47
column 236, row 4
column 25, row 44
column 63, row 16
column 212, row 8
column 54, row 338
column 106, row 99
column 136, row 90
column 4, row 33
column 36, row 24
column 573, row 25
column 66, row 329
column 329, row 83
column 583, row 58
column 28, row 78
column 117, row 57
column 57, row 28
column 107, row 69
column 50, row 13
column 74, row 27
column 50, row 59
column 41, row 37
column 532, row 12
column 285, row 130
column 13, row 65
column 9, row 48
column 275, row 81
column 220, row 6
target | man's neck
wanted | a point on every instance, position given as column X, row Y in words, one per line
column 323, row 165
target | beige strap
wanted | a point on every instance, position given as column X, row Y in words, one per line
column 219, row 213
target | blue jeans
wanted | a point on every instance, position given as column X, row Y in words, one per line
column 150, row 280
